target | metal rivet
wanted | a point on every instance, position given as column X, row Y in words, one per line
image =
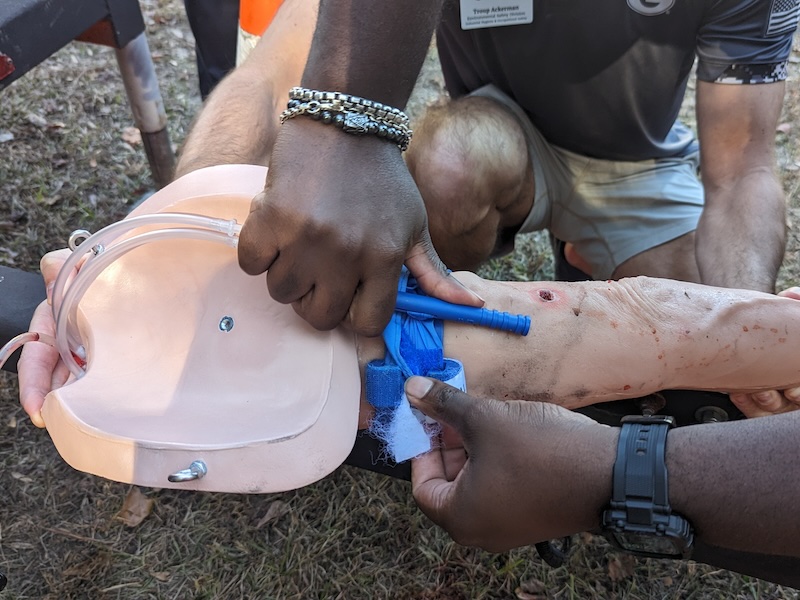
column 226, row 324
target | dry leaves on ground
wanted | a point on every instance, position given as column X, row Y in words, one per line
column 275, row 511
column 620, row 567
column 135, row 508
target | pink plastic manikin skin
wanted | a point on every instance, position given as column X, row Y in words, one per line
column 193, row 367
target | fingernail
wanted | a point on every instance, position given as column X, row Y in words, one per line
column 418, row 386
column 479, row 297
column 474, row 293
column 49, row 292
column 38, row 420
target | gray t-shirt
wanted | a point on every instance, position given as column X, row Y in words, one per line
column 606, row 78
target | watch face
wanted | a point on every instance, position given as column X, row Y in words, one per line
column 648, row 544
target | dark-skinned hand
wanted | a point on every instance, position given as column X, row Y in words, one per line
column 523, row 472
column 338, row 217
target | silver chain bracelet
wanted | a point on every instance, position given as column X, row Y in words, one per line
column 351, row 114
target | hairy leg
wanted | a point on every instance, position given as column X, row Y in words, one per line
column 470, row 160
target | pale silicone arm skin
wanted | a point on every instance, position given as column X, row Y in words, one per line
column 599, row 341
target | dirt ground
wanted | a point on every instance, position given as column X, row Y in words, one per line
column 68, row 161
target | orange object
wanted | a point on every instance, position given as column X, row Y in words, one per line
column 256, row 15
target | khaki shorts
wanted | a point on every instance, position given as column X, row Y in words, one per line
column 610, row 210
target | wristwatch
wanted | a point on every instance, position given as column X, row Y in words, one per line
column 639, row 519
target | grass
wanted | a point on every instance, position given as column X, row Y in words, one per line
column 354, row 534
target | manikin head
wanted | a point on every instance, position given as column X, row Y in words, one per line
column 191, row 366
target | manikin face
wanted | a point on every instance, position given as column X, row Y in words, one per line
column 189, row 359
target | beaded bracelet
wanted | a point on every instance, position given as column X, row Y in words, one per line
column 351, row 114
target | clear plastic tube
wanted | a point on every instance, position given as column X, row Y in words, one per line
column 106, row 235
column 18, row 341
column 66, row 301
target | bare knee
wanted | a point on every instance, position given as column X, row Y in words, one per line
column 470, row 161
column 467, row 143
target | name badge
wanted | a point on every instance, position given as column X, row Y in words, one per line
column 480, row 14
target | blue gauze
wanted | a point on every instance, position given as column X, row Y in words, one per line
column 413, row 347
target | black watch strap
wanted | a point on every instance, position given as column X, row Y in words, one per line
column 639, row 518
column 640, row 471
